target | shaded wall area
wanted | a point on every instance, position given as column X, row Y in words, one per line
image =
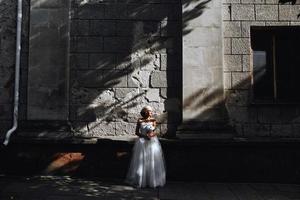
column 48, row 62
column 124, row 55
column 7, row 62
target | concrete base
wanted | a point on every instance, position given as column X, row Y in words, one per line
column 231, row 160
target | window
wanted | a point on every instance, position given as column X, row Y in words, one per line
column 276, row 64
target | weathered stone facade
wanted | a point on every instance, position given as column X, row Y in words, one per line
column 126, row 54
column 248, row 118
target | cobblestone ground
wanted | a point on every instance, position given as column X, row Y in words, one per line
column 64, row 187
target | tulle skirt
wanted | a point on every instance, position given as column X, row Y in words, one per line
column 147, row 167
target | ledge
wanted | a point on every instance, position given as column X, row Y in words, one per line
column 187, row 140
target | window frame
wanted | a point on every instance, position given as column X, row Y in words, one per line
column 274, row 31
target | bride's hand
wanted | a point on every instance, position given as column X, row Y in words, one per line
column 151, row 134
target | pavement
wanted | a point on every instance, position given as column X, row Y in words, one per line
column 76, row 188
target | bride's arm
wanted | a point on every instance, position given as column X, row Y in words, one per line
column 137, row 128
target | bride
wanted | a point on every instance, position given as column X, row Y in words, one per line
column 147, row 166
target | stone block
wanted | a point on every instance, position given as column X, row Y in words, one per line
column 159, row 79
column 79, row 61
column 246, row 60
column 80, row 129
column 50, row 4
column 241, row 80
column 269, row 115
column 296, row 130
column 232, row 63
column 4, row 127
column 227, row 80
column 151, row 29
column 118, row 44
column 138, row 29
column 253, row 1
column 138, row 12
column 102, row 61
column 254, row 130
column 239, row 129
column 227, row 45
column 104, row 99
column 6, row 96
column 152, row 95
column 232, row 29
column 89, row 44
column 237, row 114
column 280, row 23
column 6, row 77
column 83, row 95
column 116, row 11
column 94, row 112
column 126, row 28
column 79, row 27
column 271, row 1
column 164, row 93
column 242, row 12
column 237, row 97
column 289, row 114
column 281, row 130
column 289, row 12
column 240, row 46
column 163, row 62
column 150, row 62
column 6, row 111
column 294, row 23
column 99, row 128
column 232, row 1
column 123, row 61
column 102, row 27
column 121, row 93
column 114, row 78
column 226, row 12
column 125, row 128
column 102, row 78
column 87, row 11
column 266, row 12
column 139, row 79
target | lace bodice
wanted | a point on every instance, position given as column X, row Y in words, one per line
column 146, row 127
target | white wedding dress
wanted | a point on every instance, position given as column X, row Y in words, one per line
column 147, row 167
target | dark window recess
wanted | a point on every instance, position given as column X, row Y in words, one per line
column 276, row 64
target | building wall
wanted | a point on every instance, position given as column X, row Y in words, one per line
column 123, row 56
column 126, row 54
column 7, row 62
column 248, row 118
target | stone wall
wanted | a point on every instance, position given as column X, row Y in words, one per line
column 124, row 55
column 7, row 62
column 127, row 54
column 248, row 118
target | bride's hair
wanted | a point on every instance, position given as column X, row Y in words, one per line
column 144, row 109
